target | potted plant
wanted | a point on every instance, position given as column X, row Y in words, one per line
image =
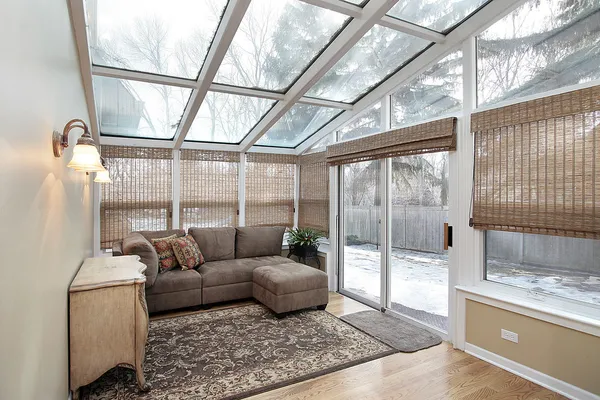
column 304, row 242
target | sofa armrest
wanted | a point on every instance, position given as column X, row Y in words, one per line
column 117, row 248
column 136, row 244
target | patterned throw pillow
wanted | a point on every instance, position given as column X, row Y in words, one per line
column 187, row 252
column 166, row 258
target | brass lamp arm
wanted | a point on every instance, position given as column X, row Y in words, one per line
column 61, row 141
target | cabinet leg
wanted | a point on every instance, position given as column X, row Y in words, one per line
column 141, row 379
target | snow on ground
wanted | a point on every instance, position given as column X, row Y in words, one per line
column 574, row 285
column 420, row 280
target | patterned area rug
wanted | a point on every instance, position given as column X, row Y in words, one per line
column 238, row 352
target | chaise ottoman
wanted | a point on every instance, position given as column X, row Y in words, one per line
column 290, row 287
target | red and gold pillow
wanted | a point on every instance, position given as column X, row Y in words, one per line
column 166, row 258
column 187, row 252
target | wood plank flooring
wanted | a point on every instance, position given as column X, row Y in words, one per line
column 436, row 373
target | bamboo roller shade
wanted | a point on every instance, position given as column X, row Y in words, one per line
column 313, row 201
column 140, row 195
column 537, row 166
column 429, row 137
column 208, row 188
column 270, row 189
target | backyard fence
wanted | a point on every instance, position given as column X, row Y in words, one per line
column 413, row 227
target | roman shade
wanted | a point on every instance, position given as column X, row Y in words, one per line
column 537, row 166
column 313, row 199
column 430, row 137
column 208, row 188
column 270, row 181
column 140, row 196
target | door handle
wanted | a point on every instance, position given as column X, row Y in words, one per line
column 447, row 236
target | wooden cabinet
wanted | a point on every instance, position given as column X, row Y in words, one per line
column 108, row 319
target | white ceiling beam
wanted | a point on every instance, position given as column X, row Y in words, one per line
column 232, row 17
column 339, row 6
column 325, row 103
column 271, row 150
column 242, row 91
column 348, row 37
column 135, row 142
column 492, row 12
column 210, row 146
column 412, row 29
column 110, row 72
column 78, row 20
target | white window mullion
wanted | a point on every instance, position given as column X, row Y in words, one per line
column 176, row 189
column 97, row 197
column 386, row 201
column 296, row 194
column 242, row 191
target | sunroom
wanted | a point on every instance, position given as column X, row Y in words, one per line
column 446, row 155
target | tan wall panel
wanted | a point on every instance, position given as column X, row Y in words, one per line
column 565, row 354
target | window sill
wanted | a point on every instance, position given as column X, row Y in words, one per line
column 587, row 321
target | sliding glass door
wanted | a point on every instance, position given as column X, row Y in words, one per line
column 419, row 263
column 360, row 255
column 402, row 265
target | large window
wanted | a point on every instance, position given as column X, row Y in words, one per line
column 543, row 45
column 562, row 266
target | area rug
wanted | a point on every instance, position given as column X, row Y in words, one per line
column 237, row 352
column 395, row 332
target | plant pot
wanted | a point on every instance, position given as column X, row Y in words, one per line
column 304, row 251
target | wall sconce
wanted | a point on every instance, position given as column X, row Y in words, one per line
column 103, row 176
column 85, row 154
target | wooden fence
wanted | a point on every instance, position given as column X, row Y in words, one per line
column 413, row 227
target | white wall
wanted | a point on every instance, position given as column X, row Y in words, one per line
column 45, row 208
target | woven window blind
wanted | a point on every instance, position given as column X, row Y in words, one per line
column 313, row 201
column 430, row 137
column 140, row 195
column 270, row 189
column 209, row 188
column 537, row 166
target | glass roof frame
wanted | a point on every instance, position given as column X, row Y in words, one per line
column 223, row 37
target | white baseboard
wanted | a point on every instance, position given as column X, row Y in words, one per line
column 556, row 385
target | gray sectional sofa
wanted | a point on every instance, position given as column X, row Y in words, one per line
column 236, row 261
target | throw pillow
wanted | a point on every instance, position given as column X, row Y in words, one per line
column 166, row 258
column 187, row 252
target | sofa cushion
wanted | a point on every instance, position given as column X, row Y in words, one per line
column 187, row 252
column 176, row 281
column 149, row 235
column 289, row 278
column 216, row 244
column 259, row 241
column 166, row 256
column 217, row 273
column 135, row 243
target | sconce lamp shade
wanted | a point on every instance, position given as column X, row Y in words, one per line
column 86, row 158
column 85, row 154
column 103, row 177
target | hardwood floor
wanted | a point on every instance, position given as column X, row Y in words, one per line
column 436, row 373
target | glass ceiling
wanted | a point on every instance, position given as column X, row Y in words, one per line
column 153, row 35
column 138, row 109
column 380, row 52
column 297, row 125
column 227, row 118
column 167, row 43
column 438, row 15
column 275, row 42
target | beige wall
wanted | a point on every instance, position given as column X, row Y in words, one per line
column 565, row 354
column 45, row 208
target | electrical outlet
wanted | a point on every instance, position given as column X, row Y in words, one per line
column 510, row 336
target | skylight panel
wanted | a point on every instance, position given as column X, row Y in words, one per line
column 167, row 38
column 138, row 109
column 434, row 93
column 297, row 125
column 379, row 53
column 275, row 43
column 227, row 118
column 439, row 15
